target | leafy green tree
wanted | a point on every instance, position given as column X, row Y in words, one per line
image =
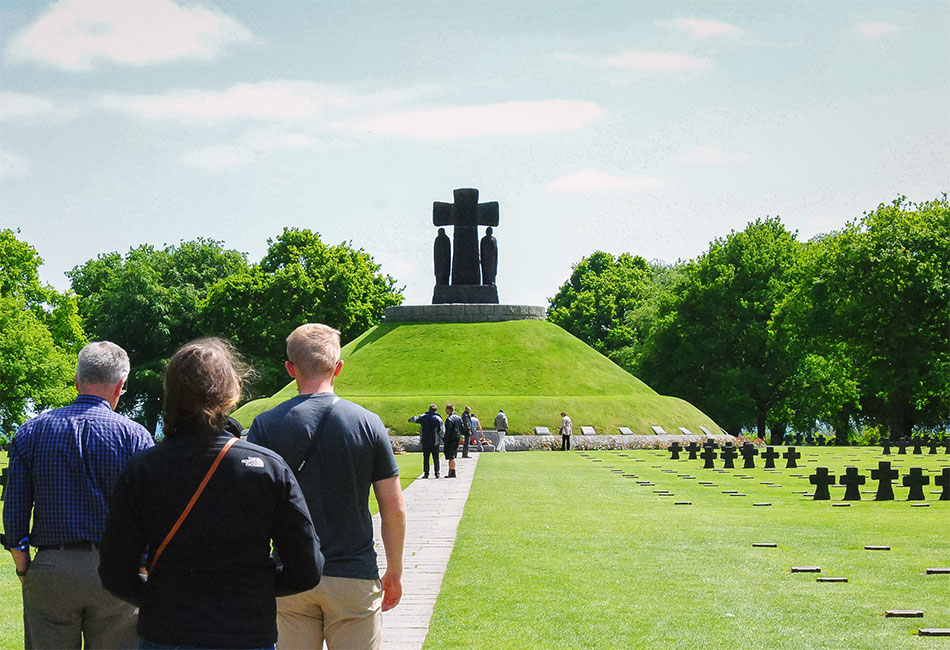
column 300, row 279
column 712, row 344
column 40, row 335
column 147, row 302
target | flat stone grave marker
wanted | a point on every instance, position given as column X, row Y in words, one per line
column 904, row 613
column 682, row 503
column 872, row 547
column 806, row 569
column 943, row 481
column 920, row 505
column 749, row 452
column 709, row 456
column 542, row 431
column 791, row 455
column 934, row 631
column 764, row 545
column 687, row 432
column 841, row 504
column 675, row 450
column 762, row 503
column 728, row 454
column 769, row 456
column 658, row 430
column 706, row 431
column 884, row 475
column 737, row 494
column 916, row 481
column 935, row 571
column 821, row 479
column 830, row 579
column 730, row 491
column 588, row 431
column 625, row 431
column 692, row 448
column 852, row 480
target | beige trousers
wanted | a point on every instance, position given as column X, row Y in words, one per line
column 344, row 612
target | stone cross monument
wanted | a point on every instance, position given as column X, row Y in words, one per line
column 472, row 274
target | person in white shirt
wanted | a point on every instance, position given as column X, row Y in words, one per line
column 567, row 428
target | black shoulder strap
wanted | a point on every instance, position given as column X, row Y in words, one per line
column 315, row 440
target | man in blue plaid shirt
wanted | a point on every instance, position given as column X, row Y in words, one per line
column 64, row 465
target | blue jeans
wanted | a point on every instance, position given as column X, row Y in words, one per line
column 148, row 645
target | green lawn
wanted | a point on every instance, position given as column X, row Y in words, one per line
column 556, row 551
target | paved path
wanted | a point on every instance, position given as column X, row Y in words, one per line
column 433, row 511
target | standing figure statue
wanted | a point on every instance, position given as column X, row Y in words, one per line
column 489, row 255
column 442, row 255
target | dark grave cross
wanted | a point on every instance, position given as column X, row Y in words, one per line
column 932, row 443
column 884, row 475
column 466, row 214
column 852, row 479
column 709, row 455
column 886, row 443
column 769, row 456
column 800, row 439
column 943, row 481
column 728, row 456
column 901, row 446
column 916, row 481
column 946, row 445
column 918, row 443
column 821, row 441
column 675, row 450
column 692, row 448
column 749, row 452
column 791, row 456
column 821, row 479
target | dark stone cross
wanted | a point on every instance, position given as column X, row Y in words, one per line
column 943, row 481
column 821, row 441
column 692, row 448
column 821, row 479
column 852, row 479
column 932, row 443
column 791, row 456
column 884, row 475
column 675, row 450
column 466, row 214
column 918, row 443
column 800, row 439
column 916, row 481
column 728, row 456
column 769, row 456
column 749, row 452
column 886, row 443
column 708, row 455
column 946, row 445
column 901, row 446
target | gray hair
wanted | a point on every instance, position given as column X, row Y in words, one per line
column 102, row 363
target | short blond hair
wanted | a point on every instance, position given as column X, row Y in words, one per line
column 314, row 349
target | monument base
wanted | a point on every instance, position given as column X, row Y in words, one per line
column 468, row 294
column 478, row 313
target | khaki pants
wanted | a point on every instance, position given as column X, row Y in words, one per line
column 64, row 602
column 344, row 612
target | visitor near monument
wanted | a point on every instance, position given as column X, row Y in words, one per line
column 64, row 602
column 339, row 450
column 567, row 428
column 454, row 430
column 477, row 432
column 207, row 506
column 430, row 435
column 501, row 426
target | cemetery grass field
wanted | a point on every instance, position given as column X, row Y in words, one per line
column 531, row 369
column 557, row 551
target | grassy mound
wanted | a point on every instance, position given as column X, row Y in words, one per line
column 531, row 369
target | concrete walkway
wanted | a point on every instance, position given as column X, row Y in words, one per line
column 433, row 511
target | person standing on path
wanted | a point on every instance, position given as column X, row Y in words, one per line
column 454, row 429
column 477, row 432
column 501, row 426
column 64, row 466
column 430, row 435
column 338, row 450
column 567, row 428
column 467, row 429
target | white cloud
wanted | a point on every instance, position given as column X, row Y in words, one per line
column 699, row 28
column 219, row 157
column 12, row 165
column 652, row 63
column 591, row 180
column 76, row 34
column 246, row 149
column 712, row 155
column 14, row 105
column 508, row 118
column 875, row 29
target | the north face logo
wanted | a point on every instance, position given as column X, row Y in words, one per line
column 253, row 461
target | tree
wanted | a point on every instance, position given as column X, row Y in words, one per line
column 299, row 280
column 40, row 335
column 712, row 344
column 147, row 302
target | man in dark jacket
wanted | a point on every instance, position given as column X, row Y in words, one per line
column 454, row 428
column 430, row 435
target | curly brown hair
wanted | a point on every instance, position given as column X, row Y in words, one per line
column 203, row 383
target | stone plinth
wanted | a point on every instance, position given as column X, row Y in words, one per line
column 462, row 313
column 464, row 294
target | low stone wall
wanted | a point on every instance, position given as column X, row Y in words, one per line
column 462, row 313
column 542, row 443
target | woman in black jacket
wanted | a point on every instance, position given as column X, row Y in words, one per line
column 213, row 584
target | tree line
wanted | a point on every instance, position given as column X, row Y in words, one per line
column 151, row 300
column 850, row 329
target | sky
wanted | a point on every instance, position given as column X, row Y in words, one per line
column 643, row 127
